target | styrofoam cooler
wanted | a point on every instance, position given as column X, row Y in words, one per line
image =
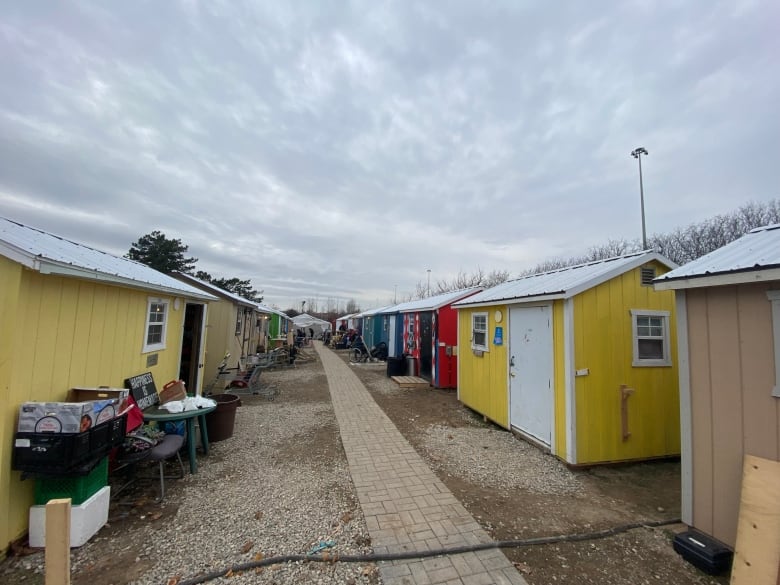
column 85, row 520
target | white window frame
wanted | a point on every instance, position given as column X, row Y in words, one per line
column 774, row 299
column 474, row 345
column 148, row 347
column 644, row 363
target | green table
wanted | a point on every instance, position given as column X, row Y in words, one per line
column 159, row 415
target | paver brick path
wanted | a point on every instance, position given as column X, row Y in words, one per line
column 407, row 508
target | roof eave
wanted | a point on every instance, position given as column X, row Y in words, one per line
column 56, row 268
column 722, row 279
column 213, row 290
column 512, row 301
column 20, row 256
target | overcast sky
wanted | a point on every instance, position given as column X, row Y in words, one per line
column 328, row 149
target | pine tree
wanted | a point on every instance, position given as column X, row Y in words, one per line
column 161, row 253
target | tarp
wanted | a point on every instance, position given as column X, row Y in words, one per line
column 306, row 321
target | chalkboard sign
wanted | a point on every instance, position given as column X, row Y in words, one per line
column 143, row 390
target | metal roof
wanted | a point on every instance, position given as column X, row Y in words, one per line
column 266, row 309
column 434, row 302
column 372, row 312
column 564, row 282
column 212, row 288
column 758, row 251
column 50, row 254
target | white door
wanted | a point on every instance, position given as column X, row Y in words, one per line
column 531, row 371
column 391, row 337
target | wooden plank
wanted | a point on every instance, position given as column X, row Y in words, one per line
column 410, row 382
column 57, row 554
column 757, row 552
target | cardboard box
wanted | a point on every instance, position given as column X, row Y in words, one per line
column 54, row 417
column 99, row 393
column 64, row 417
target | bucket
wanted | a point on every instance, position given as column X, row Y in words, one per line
column 410, row 365
column 220, row 421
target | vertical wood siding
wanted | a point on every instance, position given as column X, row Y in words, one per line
column 482, row 385
column 733, row 413
column 604, row 345
column 221, row 332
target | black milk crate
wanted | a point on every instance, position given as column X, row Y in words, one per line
column 702, row 551
column 107, row 435
column 67, row 453
column 50, row 453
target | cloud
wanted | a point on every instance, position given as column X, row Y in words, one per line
column 342, row 150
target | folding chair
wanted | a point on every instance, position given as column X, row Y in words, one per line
column 161, row 452
column 256, row 387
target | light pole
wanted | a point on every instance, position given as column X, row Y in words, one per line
column 637, row 154
column 429, row 282
column 395, row 293
column 303, row 305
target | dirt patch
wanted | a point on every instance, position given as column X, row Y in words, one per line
column 517, row 492
column 122, row 568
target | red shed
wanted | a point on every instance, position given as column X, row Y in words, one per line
column 431, row 336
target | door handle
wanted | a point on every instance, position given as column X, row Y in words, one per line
column 512, row 362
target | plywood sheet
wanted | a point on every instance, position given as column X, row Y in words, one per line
column 410, row 382
column 757, row 552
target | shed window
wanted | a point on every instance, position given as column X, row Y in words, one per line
column 774, row 298
column 479, row 331
column 156, row 324
column 651, row 338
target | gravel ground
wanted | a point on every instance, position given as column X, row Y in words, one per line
column 280, row 485
column 496, row 459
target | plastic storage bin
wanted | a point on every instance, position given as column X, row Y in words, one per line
column 77, row 488
column 702, row 551
column 85, row 519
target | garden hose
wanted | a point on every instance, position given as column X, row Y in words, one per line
column 397, row 556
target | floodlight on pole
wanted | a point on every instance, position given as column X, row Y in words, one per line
column 637, row 154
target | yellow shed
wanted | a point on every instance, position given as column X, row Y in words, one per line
column 73, row 316
column 579, row 360
column 235, row 325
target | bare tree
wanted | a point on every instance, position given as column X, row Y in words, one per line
column 312, row 305
column 681, row 245
column 612, row 249
column 697, row 239
column 352, row 306
column 462, row 281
